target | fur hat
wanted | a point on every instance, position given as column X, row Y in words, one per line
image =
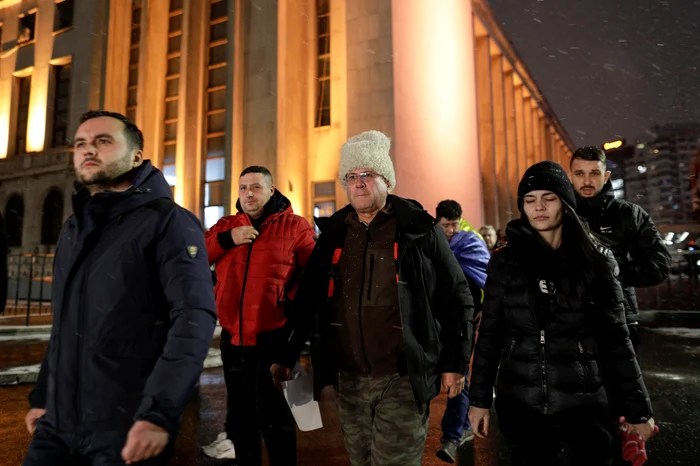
column 368, row 150
column 548, row 176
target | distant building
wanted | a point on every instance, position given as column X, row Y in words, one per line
column 217, row 85
column 617, row 157
column 657, row 177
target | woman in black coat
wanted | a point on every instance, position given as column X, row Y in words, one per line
column 554, row 321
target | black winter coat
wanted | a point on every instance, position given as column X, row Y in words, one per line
column 133, row 311
column 566, row 361
column 631, row 235
column 435, row 304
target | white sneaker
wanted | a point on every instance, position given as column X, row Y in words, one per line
column 221, row 448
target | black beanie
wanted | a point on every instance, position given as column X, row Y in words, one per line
column 547, row 176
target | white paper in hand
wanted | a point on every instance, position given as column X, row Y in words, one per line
column 299, row 392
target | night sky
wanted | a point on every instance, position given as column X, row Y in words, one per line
column 610, row 68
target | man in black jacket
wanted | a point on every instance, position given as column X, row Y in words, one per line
column 626, row 228
column 389, row 310
column 133, row 310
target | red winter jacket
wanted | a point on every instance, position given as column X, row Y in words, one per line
column 255, row 280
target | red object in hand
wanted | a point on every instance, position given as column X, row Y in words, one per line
column 633, row 447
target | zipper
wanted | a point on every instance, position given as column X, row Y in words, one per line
column 240, row 306
column 586, row 373
column 543, row 363
column 359, row 310
column 371, row 274
column 81, row 342
column 245, row 279
column 510, row 351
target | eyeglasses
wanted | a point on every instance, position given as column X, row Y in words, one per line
column 352, row 178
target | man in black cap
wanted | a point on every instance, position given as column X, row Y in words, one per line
column 626, row 228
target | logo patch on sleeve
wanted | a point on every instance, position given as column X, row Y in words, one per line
column 192, row 251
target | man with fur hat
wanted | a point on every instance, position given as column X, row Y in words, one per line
column 388, row 311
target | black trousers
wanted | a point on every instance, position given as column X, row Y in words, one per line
column 256, row 410
column 579, row 437
column 49, row 448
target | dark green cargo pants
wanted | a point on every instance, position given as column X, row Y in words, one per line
column 381, row 422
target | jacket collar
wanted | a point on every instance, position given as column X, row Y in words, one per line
column 586, row 205
column 411, row 217
column 277, row 204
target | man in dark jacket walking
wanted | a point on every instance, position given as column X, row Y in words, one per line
column 626, row 228
column 133, row 310
column 473, row 257
column 389, row 308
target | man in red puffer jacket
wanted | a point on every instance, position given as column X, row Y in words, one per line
column 259, row 254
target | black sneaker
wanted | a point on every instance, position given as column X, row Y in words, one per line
column 448, row 451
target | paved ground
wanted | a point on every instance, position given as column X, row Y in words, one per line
column 670, row 358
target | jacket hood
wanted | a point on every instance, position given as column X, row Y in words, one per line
column 277, row 204
column 411, row 216
column 149, row 185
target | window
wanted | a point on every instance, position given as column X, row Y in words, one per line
column 172, row 76
column 132, row 85
column 61, row 80
column 215, row 140
column 24, row 86
column 324, row 200
column 14, row 218
column 323, row 71
column 27, row 28
column 52, row 217
column 63, row 17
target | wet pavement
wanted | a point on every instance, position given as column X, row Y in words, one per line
column 670, row 359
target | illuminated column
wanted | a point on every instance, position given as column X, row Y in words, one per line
column 520, row 128
column 529, row 138
column 153, row 62
column 536, row 131
column 36, row 127
column 486, row 129
column 293, row 64
column 188, row 164
column 547, row 138
column 118, row 50
column 234, row 99
column 511, row 133
column 500, row 139
column 436, row 122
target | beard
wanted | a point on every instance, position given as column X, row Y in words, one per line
column 108, row 174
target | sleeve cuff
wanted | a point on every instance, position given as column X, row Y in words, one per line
column 225, row 240
column 480, row 404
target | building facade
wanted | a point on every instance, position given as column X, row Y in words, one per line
column 217, row 85
column 657, row 177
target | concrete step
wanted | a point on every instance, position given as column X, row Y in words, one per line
column 676, row 318
column 28, row 374
column 21, row 330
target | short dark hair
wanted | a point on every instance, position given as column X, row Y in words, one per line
column 132, row 132
column 257, row 169
column 448, row 209
column 590, row 153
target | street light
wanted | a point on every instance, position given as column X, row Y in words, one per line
column 613, row 144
